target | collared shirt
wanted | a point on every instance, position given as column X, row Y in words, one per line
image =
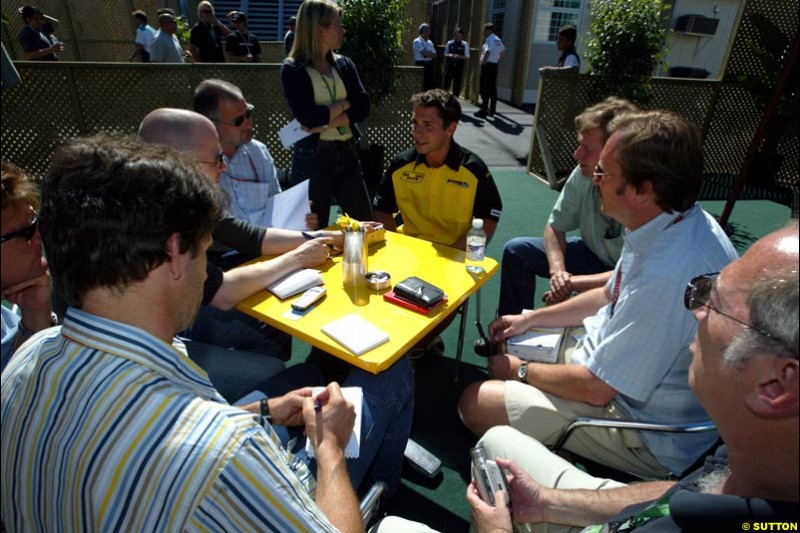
column 422, row 45
column 10, row 329
column 578, row 208
column 107, row 428
column 459, row 48
column 640, row 345
column 144, row 36
column 438, row 204
column 249, row 181
column 165, row 48
column 495, row 47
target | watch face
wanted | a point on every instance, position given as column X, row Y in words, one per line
column 522, row 372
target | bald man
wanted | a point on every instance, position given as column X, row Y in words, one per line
column 217, row 323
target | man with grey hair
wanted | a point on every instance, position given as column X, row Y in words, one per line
column 250, row 178
column 744, row 370
column 424, row 54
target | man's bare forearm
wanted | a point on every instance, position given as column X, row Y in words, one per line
column 555, row 246
column 570, row 312
column 335, row 494
column 588, row 507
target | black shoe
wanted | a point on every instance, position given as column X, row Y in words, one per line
column 491, row 113
column 483, row 348
column 480, row 113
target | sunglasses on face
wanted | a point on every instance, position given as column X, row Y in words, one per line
column 219, row 161
column 698, row 294
column 238, row 121
column 26, row 231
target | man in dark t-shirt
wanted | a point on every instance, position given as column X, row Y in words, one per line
column 36, row 44
column 242, row 46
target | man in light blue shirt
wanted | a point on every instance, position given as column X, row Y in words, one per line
column 165, row 47
column 634, row 359
column 250, row 178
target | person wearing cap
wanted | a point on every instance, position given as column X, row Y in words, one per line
column 166, row 48
column 424, row 54
column 241, row 45
column 207, row 35
column 37, row 44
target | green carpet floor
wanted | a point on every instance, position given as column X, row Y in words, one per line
column 527, row 202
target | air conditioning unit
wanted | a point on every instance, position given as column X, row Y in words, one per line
column 696, row 24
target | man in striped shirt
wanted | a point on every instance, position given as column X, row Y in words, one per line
column 107, row 425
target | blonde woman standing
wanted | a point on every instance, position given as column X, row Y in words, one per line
column 326, row 96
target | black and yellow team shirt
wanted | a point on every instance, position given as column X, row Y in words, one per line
column 438, row 204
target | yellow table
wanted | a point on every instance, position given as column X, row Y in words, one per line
column 401, row 256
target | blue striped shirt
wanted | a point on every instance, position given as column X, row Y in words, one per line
column 107, row 428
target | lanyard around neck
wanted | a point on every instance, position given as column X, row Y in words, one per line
column 331, row 92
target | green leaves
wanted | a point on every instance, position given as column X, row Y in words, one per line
column 628, row 41
column 372, row 40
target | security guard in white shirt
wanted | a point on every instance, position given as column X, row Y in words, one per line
column 424, row 54
column 491, row 54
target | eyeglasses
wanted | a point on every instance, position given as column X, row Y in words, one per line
column 26, row 231
column 206, row 11
column 599, row 174
column 219, row 161
column 698, row 294
column 337, row 24
column 238, row 121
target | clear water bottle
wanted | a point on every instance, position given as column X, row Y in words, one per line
column 476, row 247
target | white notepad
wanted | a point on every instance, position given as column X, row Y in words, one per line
column 539, row 344
column 355, row 396
column 295, row 283
column 355, row 333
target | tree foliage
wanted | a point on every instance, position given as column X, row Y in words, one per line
column 627, row 43
column 373, row 40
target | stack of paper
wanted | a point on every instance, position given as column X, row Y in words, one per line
column 355, row 333
column 355, row 396
column 296, row 282
column 540, row 344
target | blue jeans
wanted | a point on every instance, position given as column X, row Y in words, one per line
column 524, row 258
column 387, row 414
column 234, row 373
column 333, row 171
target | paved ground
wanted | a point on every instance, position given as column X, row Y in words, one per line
column 498, row 140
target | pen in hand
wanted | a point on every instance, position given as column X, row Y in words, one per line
column 318, row 411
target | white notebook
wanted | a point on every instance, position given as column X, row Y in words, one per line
column 355, row 333
column 295, row 283
column 539, row 344
column 355, row 396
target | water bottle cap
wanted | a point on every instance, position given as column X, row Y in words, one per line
column 477, row 223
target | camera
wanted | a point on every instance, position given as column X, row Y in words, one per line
column 488, row 476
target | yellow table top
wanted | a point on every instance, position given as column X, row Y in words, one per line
column 401, row 256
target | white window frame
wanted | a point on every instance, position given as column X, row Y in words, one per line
column 546, row 8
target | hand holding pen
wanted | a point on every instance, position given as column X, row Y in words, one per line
column 329, row 419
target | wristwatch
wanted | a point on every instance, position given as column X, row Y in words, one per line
column 522, row 372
